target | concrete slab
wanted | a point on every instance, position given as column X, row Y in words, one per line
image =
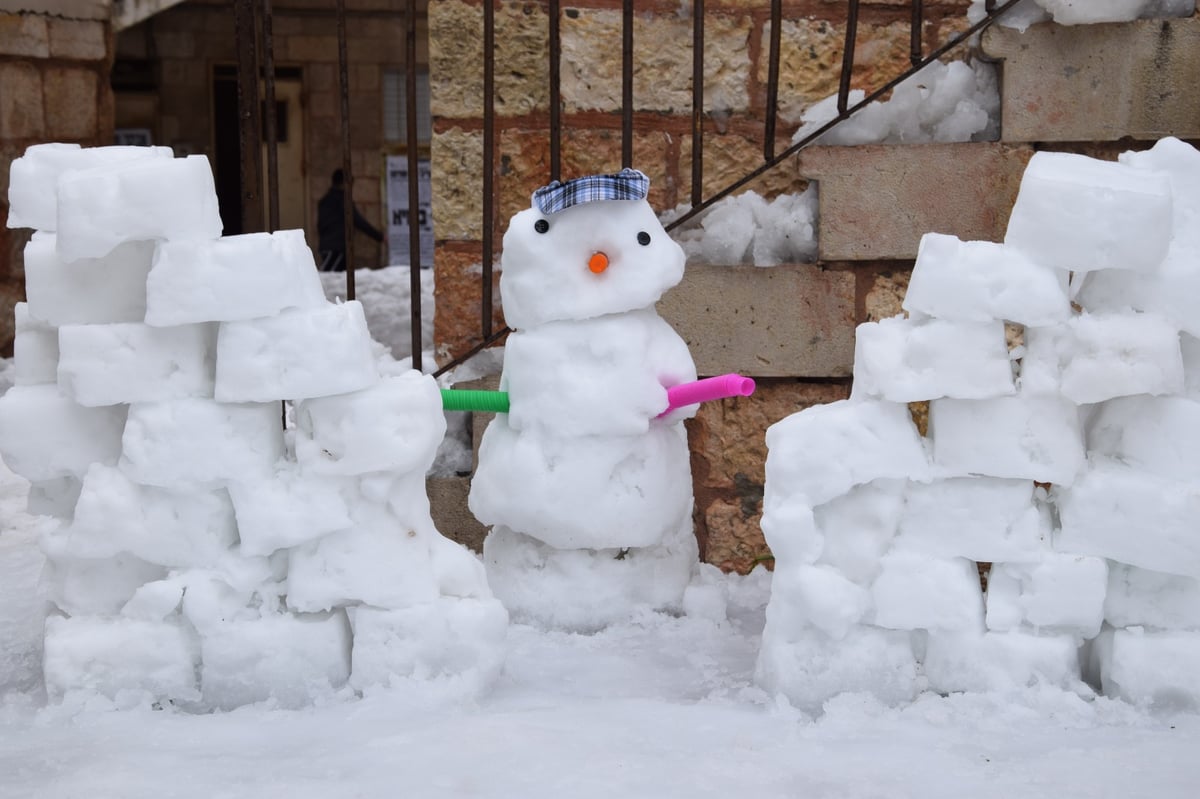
column 784, row 321
column 1099, row 82
column 876, row 201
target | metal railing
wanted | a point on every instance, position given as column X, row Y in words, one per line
column 917, row 57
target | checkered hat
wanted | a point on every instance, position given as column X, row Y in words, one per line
column 628, row 184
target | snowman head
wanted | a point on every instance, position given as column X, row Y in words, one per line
column 587, row 247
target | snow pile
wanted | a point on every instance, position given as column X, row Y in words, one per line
column 944, row 102
column 1083, row 12
column 749, row 229
column 1066, row 466
column 587, row 488
column 385, row 295
column 206, row 556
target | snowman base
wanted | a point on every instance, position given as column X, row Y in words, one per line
column 586, row 590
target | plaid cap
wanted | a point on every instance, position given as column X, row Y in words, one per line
column 628, row 184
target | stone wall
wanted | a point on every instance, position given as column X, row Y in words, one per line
column 728, row 450
column 54, row 65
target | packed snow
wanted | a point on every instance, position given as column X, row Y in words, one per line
column 1084, row 12
column 269, row 610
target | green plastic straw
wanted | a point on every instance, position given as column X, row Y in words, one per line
column 460, row 399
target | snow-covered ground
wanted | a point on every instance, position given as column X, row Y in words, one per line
column 657, row 707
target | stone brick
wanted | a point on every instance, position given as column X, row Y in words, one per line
column 810, row 60
column 24, row 35
column 1099, row 82
column 525, row 163
column 729, row 454
column 80, row 40
column 877, row 201
column 448, row 507
column 22, row 113
column 793, row 321
column 458, row 295
column 729, row 158
column 457, row 205
column 72, row 103
column 591, row 62
column 456, row 61
column 885, row 293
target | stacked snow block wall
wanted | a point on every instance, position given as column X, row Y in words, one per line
column 207, row 556
column 1065, row 467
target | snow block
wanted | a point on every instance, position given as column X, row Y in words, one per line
column 33, row 178
column 980, row 281
column 285, row 659
column 188, row 441
column 176, row 528
column 384, row 566
column 1027, row 438
column 822, row 452
column 1158, row 669
column 298, row 354
column 44, row 435
column 812, row 668
column 1160, row 435
column 35, row 349
column 979, row 518
column 790, row 530
column 88, row 291
column 458, row 641
column 172, row 198
column 133, row 362
column 234, row 277
column 56, row 497
column 1127, row 515
column 1097, row 357
column 1060, row 594
column 1000, row 661
column 122, row 659
column 1081, row 214
column 917, row 592
column 287, row 509
column 1140, row 597
column 821, row 598
column 395, row 425
column 585, row 590
column 95, row 586
column 902, row 360
column 858, row 528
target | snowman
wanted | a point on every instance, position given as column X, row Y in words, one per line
column 586, row 481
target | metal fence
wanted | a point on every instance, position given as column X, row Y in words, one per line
column 253, row 27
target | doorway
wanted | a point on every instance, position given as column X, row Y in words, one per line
column 289, row 149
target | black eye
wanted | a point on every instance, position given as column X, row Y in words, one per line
column 541, row 226
column 643, row 238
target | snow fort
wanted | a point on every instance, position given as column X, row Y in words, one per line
column 1062, row 374
column 208, row 555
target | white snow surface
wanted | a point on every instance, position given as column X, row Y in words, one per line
column 658, row 706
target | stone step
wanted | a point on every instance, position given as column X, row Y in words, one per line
column 876, row 201
column 1087, row 83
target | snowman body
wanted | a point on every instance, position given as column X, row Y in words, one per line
column 586, row 461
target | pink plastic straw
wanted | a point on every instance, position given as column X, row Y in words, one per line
column 710, row 388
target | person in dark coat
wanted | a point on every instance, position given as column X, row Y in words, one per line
column 331, row 226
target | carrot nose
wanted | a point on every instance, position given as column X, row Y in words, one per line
column 598, row 263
